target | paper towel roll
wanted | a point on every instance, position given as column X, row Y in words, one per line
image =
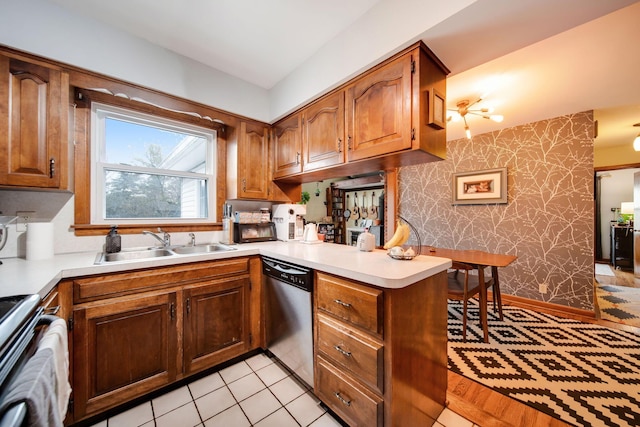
column 39, row 240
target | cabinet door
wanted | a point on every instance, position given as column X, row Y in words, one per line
column 216, row 323
column 122, row 349
column 253, row 162
column 379, row 111
column 32, row 125
column 287, row 141
column 323, row 134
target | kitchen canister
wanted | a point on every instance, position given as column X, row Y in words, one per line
column 366, row 241
column 39, row 240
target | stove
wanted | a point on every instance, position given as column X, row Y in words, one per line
column 19, row 315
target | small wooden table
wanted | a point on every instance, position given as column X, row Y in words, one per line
column 480, row 260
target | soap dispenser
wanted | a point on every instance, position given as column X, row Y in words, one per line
column 113, row 241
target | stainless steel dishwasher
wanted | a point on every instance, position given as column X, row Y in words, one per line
column 289, row 318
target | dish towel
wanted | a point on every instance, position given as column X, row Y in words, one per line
column 35, row 386
column 55, row 339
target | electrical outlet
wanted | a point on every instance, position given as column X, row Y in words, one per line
column 24, row 217
column 542, row 287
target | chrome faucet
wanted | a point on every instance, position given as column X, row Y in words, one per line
column 193, row 239
column 165, row 239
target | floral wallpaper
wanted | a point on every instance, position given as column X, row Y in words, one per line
column 548, row 221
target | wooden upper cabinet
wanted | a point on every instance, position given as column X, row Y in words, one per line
column 390, row 120
column 33, row 125
column 323, row 137
column 287, row 146
column 253, row 167
column 379, row 111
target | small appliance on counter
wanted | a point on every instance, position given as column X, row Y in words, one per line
column 311, row 234
column 254, row 232
column 366, row 241
column 288, row 220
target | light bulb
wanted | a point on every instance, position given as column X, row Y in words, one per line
column 468, row 132
column 497, row 118
column 636, row 143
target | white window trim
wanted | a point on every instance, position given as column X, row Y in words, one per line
column 98, row 209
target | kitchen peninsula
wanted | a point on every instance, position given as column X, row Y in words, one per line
column 404, row 302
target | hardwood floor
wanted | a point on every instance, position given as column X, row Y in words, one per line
column 486, row 407
column 622, row 278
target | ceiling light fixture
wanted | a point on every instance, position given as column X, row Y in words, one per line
column 463, row 108
column 636, row 142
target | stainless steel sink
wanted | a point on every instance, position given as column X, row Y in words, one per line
column 133, row 254
column 137, row 254
column 201, row 249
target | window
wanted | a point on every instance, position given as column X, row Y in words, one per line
column 150, row 169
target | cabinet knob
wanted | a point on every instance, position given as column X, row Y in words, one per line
column 339, row 145
column 244, row 185
column 342, row 303
column 52, row 167
column 298, row 158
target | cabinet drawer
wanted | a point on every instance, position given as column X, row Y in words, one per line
column 357, row 304
column 119, row 284
column 353, row 403
column 352, row 350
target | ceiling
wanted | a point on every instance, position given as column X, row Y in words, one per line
column 533, row 59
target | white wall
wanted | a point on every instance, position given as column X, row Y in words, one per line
column 48, row 30
column 395, row 26
column 58, row 208
column 616, row 187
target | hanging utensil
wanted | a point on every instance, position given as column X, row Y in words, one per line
column 347, row 211
column 365, row 211
column 356, row 208
column 373, row 212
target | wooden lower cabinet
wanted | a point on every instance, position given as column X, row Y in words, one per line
column 381, row 354
column 216, row 323
column 355, row 404
column 128, row 344
column 123, row 348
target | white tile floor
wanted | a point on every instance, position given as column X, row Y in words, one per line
column 255, row 392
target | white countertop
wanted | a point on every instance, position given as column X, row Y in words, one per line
column 19, row 276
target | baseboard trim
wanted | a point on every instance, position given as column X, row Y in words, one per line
column 549, row 308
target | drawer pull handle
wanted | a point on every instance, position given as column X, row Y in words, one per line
column 342, row 399
column 342, row 303
column 346, row 353
column 52, row 310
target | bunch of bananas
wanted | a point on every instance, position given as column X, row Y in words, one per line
column 400, row 237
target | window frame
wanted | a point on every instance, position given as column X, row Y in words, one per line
column 99, row 113
column 123, row 95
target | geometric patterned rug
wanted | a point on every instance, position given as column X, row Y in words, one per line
column 619, row 304
column 583, row 374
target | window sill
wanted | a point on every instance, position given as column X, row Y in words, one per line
column 103, row 229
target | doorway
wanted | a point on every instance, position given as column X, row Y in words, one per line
column 617, row 291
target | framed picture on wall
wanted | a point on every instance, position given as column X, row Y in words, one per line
column 480, row 187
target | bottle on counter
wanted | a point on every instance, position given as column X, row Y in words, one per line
column 227, row 225
column 113, row 242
